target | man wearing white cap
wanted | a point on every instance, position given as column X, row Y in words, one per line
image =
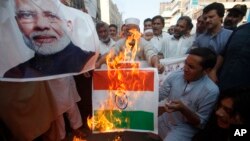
column 146, row 51
column 148, row 34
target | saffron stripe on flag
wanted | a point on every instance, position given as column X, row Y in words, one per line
column 141, row 80
column 139, row 120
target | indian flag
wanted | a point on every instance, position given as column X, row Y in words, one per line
column 125, row 100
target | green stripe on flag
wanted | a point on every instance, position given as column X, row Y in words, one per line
column 139, row 120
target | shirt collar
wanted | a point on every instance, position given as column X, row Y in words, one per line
column 209, row 34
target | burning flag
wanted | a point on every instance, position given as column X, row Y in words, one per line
column 125, row 96
column 125, row 100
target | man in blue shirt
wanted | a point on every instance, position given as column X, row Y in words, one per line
column 216, row 36
column 191, row 96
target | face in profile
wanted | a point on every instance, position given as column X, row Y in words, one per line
column 42, row 29
column 200, row 25
column 192, row 68
column 232, row 19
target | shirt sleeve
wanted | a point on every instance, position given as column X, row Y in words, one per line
column 206, row 105
column 164, row 89
column 149, row 50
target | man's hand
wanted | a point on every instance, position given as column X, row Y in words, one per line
column 173, row 106
column 97, row 65
column 160, row 68
column 156, row 63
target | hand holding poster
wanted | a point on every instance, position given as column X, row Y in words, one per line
column 44, row 40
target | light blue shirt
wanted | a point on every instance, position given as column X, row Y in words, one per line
column 199, row 96
column 216, row 42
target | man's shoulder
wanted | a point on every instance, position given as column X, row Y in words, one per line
column 18, row 71
column 211, row 86
column 73, row 50
column 226, row 32
column 175, row 75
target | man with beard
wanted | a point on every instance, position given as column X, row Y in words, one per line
column 145, row 51
column 235, row 16
column 215, row 36
column 180, row 42
column 106, row 43
column 200, row 26
column 45, row 33
column 190, row 97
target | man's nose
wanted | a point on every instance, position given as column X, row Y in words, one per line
column 219, row 112
column 43, row 23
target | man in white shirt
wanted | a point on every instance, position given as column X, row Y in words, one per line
column 180, row 42
column 145, row 51
column 158, row 24
column 106, row 43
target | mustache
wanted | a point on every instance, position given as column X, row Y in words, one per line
column 44, row 34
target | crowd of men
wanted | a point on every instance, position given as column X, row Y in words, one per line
column 209, row 95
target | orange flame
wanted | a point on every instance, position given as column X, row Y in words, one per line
column 104, row 121
column 78, row 139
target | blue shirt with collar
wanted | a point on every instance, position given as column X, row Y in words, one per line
column 199, row 96
column 215, row 42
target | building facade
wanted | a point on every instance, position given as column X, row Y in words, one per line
column 171, row 11
column 110, row 13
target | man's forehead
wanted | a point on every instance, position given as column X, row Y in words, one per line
column 131, row 26
column 43, row 5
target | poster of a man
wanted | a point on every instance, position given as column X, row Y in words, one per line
column 47, row 32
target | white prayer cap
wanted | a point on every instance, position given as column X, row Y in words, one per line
column 132, row 21
column 148, row 30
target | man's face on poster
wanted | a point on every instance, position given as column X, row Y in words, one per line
column 42, row 28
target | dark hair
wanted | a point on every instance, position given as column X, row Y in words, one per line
column 219, row 7
column 147, row 20
column 159, row 17
column 188, row 20
column 241, row 101
column 101, row 24
column 113, row 25
column 208, row 56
